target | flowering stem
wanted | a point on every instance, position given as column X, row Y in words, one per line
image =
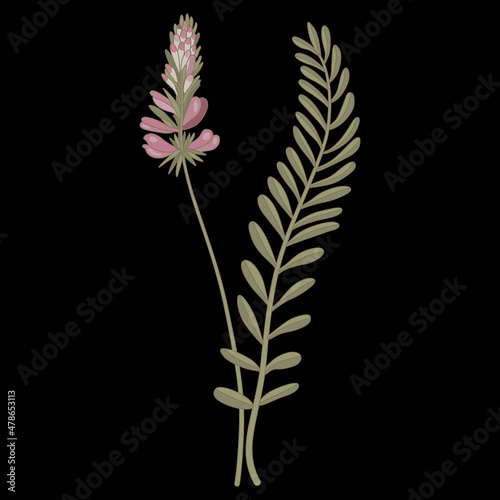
column 239, row 382
column 272, row 291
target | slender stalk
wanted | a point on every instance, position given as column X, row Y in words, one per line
column 272, row 291
column 239, row 382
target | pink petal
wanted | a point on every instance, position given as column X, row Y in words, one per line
column 190, row 66
column 162, row 102
column 202, row 110
column 156, row 142
column 204, row 138
column 154, row 153
column 193, row 109
column 156, row 126
column 211, row 145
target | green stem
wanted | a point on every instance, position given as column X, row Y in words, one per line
column 272, row 291
column 239, row 382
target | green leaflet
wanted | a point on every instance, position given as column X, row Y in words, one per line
column 287, row 176
column 248, row 317
column 303, row 258
column 313, row 36
column 302, row 44
column 287, row 360
column 336, row 59
column 254, row 279
column 303, row 144
column 328, row 195
column 343, row 81
column 345, row 111
column 232, row 398
column 270, row 212
column 309, row 127
column 261, row 242
column 337, row 176
column 312, row 108
column 297, row 289
column 349, row 150
column 312, row 75
column 279, row 195
column 291, row 325
column 327, row 41
column 311, row 89
column 239, row 359
column 313, row 231
column 316, row 216
column 304, row 58
column 348, row 135
column 296, row 164
column 280, row 392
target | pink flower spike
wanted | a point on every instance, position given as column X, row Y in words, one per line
column 156, row 142
column 154, row 125
column 154, row 153
column 199, row 114
column 162, row 102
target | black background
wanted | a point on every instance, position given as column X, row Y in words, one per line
column 161, row 336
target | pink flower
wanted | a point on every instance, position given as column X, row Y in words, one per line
column 194, row 114
column 174, row 115
column 157, row 147
column 207, row 141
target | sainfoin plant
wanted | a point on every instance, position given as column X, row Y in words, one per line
column 297, row 207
